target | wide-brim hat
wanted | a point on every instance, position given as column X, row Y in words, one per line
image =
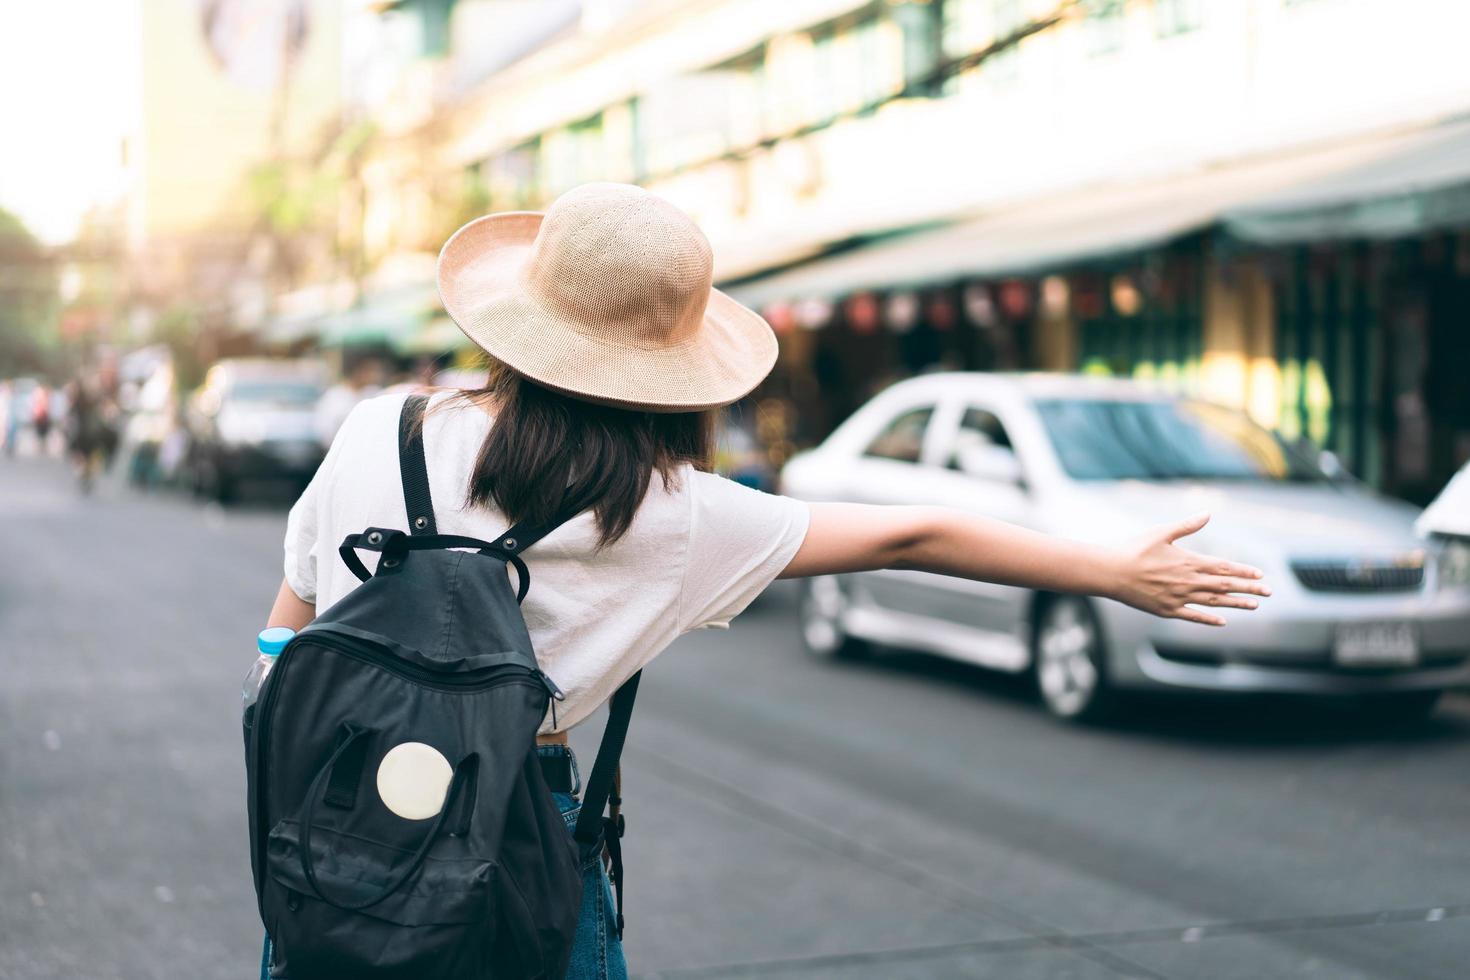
column 607, row 296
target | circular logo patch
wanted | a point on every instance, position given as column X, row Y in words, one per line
column 413, row 779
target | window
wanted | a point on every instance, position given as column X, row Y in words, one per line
column 1178, row 16
column 1098, row 439
column 978, row 427
column 903, row 438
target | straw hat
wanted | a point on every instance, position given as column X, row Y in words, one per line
column 607, row 297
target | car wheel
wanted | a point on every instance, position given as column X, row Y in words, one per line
column 823, row 603
column 1067, row 659
column 1402, row 708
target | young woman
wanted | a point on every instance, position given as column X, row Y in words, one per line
column 612, row 353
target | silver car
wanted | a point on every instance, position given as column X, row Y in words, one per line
column 1361, row 605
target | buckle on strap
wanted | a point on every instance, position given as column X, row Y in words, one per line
column 612, row 841
column 379, row 539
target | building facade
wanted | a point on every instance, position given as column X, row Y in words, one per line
column 1121, row 186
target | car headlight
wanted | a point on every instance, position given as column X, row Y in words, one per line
column 1454, row 563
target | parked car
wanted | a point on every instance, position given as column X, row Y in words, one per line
column 1359, row 606
column 1446, row 521
column 253, row 420
column 1448, row 514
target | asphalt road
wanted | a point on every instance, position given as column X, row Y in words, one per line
column 787, row 818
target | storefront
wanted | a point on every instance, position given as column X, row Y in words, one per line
column 1326, row 292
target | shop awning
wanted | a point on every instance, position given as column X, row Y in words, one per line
column 299, row 313
column 1053, row 232
column 1419, row 181
column 388, row 318
column 439, row 335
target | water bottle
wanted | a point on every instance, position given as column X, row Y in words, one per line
column 270, row 643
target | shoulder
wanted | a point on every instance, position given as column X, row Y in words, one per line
column 375, row 419
column 369, row 411
column 716, row 501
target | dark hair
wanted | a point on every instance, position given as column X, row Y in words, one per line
column 547, row 451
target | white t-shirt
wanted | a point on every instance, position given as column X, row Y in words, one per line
column 697, row 553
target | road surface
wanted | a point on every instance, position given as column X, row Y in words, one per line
column 787, row 817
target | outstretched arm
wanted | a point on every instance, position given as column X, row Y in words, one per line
column 1153, row 574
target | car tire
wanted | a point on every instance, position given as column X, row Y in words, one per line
column 1069, row 660
column 1406, row 707
column 823, row 602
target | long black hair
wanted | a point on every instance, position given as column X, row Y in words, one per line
column 547, row 451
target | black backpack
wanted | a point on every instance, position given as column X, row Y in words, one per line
column 431, row 649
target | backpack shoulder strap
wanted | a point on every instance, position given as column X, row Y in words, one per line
column 419, row 502
column 412, row 468
column 526, row 533
column 602, row 787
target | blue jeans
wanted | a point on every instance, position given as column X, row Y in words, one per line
column 597, row 952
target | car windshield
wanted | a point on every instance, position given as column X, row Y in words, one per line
column 276, row 392
column 1103, row 439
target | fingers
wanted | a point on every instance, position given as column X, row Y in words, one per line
column 1224, row 600
column 1219, row 566
column 1186, row 527
column 1198, row 616
column 1244, row 586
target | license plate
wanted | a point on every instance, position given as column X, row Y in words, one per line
column 1376, row 645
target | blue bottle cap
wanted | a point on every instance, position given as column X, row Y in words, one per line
column 273, row 640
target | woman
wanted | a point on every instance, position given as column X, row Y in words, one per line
column 612, row 354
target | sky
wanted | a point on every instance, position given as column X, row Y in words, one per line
column 70, row 90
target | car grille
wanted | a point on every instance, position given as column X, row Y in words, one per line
column 1359, row 576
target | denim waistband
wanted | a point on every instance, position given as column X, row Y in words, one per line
column 554, row 751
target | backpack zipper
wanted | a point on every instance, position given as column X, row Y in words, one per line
column 471, row 681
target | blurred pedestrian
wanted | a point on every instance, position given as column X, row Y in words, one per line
column 613, row 355
column 8, row 421
column 40, row 415
column 361, row 381
column 93, row 417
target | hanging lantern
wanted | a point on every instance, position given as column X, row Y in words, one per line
column 902, row 312
column 1087, row 297
column 979, row 307
column 780, row 317
column 940, row 311
column 1054, row 296
column 813, row 314
column 1015, row 299
column 861, row 311
column 1126, row 298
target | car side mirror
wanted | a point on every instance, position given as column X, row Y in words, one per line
column 987, row 461
column 1329, row 463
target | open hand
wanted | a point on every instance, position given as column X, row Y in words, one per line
column 1162, row 578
